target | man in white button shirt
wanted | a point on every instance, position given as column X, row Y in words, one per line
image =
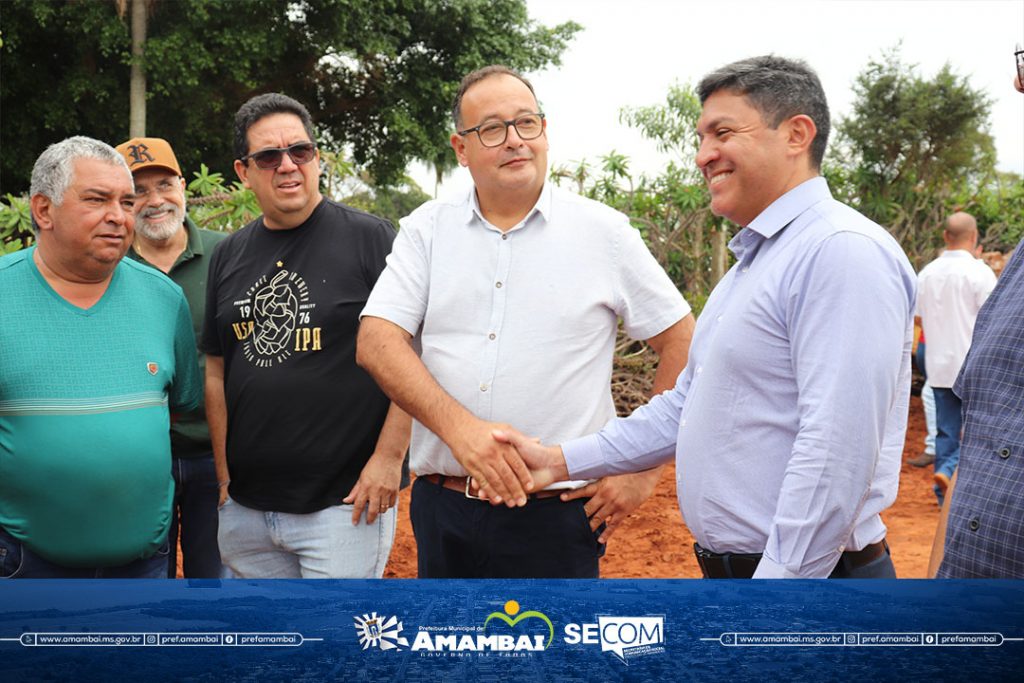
column 950, row 292
column 512, row 292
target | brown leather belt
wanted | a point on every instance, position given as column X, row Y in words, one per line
column 467, row 487
column 742, row 566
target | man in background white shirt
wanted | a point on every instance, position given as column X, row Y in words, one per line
column 950, row 292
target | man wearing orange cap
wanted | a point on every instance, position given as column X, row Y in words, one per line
column 167, row 239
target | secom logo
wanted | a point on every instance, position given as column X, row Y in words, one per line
column 625, row 637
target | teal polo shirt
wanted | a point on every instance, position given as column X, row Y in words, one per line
column 190, row 435
column 85, row 402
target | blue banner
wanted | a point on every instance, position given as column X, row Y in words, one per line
column 411, row 630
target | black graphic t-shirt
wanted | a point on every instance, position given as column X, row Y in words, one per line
column 282, row 308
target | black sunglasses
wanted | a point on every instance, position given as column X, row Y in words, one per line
column 300, row 153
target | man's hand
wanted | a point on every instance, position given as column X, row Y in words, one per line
column 377, row 488
column 498, row 469
column 546, row 463
column 612, row 499
column 222, row 494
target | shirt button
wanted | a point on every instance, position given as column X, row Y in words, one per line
column 483, row 387
column 842, row 548
column 719, row 318
column 746, row 268
column 700, row 369
column 492, row 336
column 1004, row 452
column 974, row 524
column 504, row 236
column 498, row 285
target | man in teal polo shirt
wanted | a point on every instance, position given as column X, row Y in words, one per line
column 167, row 239
column 95, row 352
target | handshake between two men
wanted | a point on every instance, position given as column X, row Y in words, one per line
column 537, row 467
column 532, row 467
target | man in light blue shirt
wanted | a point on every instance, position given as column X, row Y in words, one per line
column 788, row 422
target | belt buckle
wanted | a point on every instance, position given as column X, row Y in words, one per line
column 470, row 495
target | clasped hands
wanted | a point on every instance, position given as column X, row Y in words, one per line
column 504, row 463
column 507, row 466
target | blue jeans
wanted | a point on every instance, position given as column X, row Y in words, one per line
column 320, row 545
column 194, row 512
column 947, row 439
column 18, row 562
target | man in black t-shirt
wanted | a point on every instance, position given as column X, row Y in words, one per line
column 304, row 441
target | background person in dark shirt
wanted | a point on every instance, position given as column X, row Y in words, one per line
column 297, row 427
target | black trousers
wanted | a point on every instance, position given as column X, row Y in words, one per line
column 457, row 537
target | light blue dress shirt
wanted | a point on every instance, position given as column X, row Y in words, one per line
column 788, row 422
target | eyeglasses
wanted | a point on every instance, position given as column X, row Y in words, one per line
column 1019, row 54
column 494, row 133
column 300, row 153
column 165, row 188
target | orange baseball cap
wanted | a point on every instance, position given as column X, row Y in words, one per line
column 143, row 153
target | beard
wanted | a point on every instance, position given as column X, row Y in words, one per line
column 162, row 230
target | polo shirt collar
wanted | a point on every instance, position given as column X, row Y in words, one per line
column 194, row 246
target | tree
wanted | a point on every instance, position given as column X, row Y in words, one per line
column 911, row 149
column 137, row 78
column 377, row 75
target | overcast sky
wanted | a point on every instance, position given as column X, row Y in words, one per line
column 630, row 52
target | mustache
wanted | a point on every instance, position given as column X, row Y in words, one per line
column 150, row 210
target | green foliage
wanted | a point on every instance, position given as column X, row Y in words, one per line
column 376, row 75
column 999, row 210
column 216, row 206
column 910, row 147
column 15, row 224
column 392, row 203
column 343, row 180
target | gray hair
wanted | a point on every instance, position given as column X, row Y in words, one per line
column 778, row 88
column 474, row 77
column 54, row 170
